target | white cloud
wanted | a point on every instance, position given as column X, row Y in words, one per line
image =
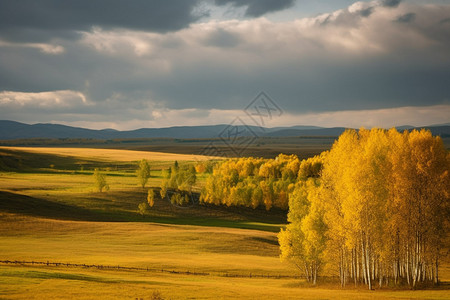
column 340, row 33
column 358, row 6
column 52, row 99
column 120, row 42
column 43, row 47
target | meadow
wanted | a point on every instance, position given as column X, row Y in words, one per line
column 50, row 211
column 267, row 147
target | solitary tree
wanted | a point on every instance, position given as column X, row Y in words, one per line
column 143, row 172
column 100, row 181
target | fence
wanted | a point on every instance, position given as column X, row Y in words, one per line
column 147, row 269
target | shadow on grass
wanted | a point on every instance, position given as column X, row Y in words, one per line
column 32, row 206
column 214, row 223
column 67, row 276
column 28, row 162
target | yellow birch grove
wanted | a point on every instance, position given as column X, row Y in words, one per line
column 384, row 206
column 419, row 205
column 252, row 182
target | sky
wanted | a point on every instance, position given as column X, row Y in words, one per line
column 126, row 64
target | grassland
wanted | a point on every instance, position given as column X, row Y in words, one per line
column 111, row 155
column 53, row 213
column 268, row 147
column 175, row 247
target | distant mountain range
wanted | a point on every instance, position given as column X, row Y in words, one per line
column 11, row 130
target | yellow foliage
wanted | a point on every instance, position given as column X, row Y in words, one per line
column 383, row 203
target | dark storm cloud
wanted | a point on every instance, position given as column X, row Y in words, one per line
column 43, row 19
column 35, row 35
column 257, row 8
column 444, row 21
column 370, row 85
column 391, row 3
column 406, row 18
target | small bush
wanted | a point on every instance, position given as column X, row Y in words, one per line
column 156, row 295
column 176, row 199
column 143, row 208
column 151, row 197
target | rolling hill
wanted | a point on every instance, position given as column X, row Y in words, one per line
column 11, row 130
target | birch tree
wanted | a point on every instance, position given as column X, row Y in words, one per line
column 143, row 172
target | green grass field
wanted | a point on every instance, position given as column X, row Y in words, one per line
column 54, row 214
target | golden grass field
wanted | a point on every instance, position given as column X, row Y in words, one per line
column 55, row 215
column 174, row 247
column 111, row 154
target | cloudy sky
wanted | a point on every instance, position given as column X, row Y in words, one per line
column 153, row 63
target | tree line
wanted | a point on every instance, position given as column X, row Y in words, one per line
column 256, row 182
